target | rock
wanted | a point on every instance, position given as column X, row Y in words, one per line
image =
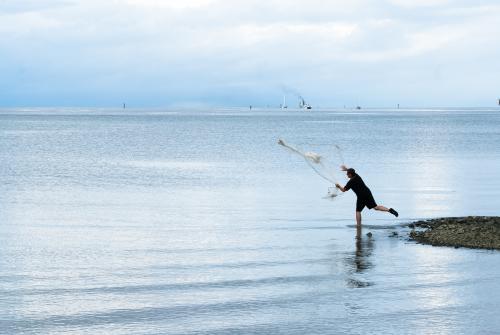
column 470, row 232
column 369, row 234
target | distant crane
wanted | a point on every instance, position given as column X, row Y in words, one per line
column 284, row 106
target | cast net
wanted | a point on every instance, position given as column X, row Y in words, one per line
column 325, row 163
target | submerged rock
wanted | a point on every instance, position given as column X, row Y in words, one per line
column 470, row 232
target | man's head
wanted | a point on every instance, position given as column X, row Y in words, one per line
column 351, row 173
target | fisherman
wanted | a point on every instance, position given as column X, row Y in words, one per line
column 365, row 197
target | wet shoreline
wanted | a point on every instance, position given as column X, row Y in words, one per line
column 478, row 232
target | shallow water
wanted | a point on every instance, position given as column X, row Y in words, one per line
column 197, row 222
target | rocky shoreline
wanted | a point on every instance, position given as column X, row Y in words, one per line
column 481, row 232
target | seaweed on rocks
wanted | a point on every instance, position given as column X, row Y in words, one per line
column 481, row 232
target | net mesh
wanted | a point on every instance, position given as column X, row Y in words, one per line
column 325, row 164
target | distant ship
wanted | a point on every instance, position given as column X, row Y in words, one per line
column 303, row 104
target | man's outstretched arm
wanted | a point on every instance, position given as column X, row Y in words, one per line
column 340, row 187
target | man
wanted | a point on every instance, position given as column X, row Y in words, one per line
column 365, row 197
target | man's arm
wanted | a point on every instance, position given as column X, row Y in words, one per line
column 340, row 187
column 345, row 188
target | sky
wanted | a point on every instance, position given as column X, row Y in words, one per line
column 175, row 53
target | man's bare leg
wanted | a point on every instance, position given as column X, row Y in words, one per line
column 385, row 209
column 358, row 232
column 358, row 219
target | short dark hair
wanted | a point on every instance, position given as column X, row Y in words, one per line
column 351, row 171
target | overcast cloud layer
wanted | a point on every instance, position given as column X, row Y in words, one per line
column 236, row 53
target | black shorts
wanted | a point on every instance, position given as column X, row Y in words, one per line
column 367, row 200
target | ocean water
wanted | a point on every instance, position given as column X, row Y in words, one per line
column 197, row 222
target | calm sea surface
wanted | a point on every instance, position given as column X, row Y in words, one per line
column 197, row 222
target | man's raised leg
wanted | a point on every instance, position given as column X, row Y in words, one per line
column 385, row 209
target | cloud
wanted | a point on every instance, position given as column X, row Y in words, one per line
column 420, row 3
column 16, row 6
column 170, row 4
column 224, row 52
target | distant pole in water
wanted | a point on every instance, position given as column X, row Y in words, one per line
column 124, row 106
column 250, row 107
column 398, row 106
column 498, row 101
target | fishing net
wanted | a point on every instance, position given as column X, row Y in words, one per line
column 325, row 160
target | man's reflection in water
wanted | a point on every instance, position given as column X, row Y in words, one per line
column 359, row 261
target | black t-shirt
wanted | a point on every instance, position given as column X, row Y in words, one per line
column 358, row 186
